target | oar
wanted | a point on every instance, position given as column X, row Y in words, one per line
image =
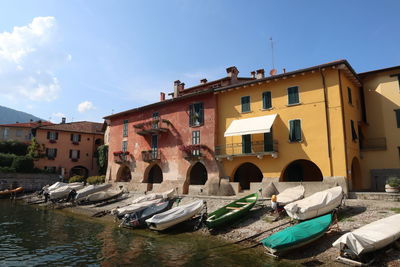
column 258, row 234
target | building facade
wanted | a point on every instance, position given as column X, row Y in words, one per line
column 21, row 132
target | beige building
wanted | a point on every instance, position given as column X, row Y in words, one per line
column 21, row 132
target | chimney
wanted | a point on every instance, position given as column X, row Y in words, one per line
column 62, row 120
column 181, row 87
column 162, row 96
column 253, row 74
column 30, row 120
column 284, row 70
column 17, row 122
column 232, row 72
column 203, row 81
column 260, row 74
column 176, row 88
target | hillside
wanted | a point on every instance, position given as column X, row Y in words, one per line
column 8, row 115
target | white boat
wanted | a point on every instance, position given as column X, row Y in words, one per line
column 102, row 196
column 290, row 195
column 53, row 186
column 174, row 216
column 120, row 212
column 153, row 196
column 88, row 190
column 315, row 205
column 63, row 191
column 370, row 237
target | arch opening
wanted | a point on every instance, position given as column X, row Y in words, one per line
column 301, row 170
column 155, row 176
column 124, row 174
column 246, row 174
column 79, row 170
column 197, row 175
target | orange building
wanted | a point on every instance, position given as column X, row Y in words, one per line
column 70, row 148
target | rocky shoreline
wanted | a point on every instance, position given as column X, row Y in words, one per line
column 354, row 214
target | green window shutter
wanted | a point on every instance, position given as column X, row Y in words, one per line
column 294, row 131
column 293, row 95
column 398, row 117
column 191, row 115
column 291, row 131
column 246, row 143
column 268, row 142
column 297, row 130
column 245, row 101
column 267, row 101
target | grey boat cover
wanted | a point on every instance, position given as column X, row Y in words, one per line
column 372, row 236
column 153, row 196
column 290, row 194
column 64, row 190
column 88, row 190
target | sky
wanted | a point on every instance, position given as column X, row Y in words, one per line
column 84, row 60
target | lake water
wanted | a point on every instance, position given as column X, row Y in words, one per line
column 33, row 236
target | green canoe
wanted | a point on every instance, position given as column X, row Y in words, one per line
column 297, row 235
column 231, row 212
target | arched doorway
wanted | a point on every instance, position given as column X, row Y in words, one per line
column 155, row 176
column 301, row 170
column 124, row 174
column 355, row 183
column 197, row 175
column 247, row 173
column 79, row 170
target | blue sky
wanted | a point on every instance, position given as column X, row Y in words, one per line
column 87, row 59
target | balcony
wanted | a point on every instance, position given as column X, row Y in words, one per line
column 151, row 155
column 192, row 152
column 255, row 149
column 121, row 156
column 151, row 127
column 373, row 144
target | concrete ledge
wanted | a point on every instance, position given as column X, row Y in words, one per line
column 375, row 196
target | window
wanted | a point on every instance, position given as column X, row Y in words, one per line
column 353, row 131
column 196, row 114
column 75, row 138
column 267, row 101
column 349, row 96
column 155, row 120
column 124, row 149
column 74, row 154
column 268, row 142
column 295, row 131
column 196, row 141
column 125, row 129
column 397, row 117
column 5, row 133
column 18, row 133
column 245, row 101
column 52, row 136
column 293, row 95
column 154, row 146
column 51, row 153
column 246, row 143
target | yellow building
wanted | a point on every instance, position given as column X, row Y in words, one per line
column 296, row 126
column 380, row 145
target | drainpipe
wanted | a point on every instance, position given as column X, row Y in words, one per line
column 328, row 124
column 344, row 129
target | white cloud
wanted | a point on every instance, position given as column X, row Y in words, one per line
column 56, row 117
column 28, row 59
column 85, row 106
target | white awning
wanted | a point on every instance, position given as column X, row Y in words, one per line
column 254, row 125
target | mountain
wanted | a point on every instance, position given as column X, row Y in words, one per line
column 8, row 115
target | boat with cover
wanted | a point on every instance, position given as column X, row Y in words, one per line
column 120, row 212
column 47, row 188
column 138, row 219
column 102, row 196
column 290, row 195
column 370, row 237
column 231, row 212
column 63, row 191
column 315, row 205
column 174, row 216
column 88, row 190
column 297, row 235
column 9, row 192
column 152, row 196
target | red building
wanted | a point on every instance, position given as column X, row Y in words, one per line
column 169, row 144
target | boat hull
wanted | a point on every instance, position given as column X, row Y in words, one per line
column 8, row 193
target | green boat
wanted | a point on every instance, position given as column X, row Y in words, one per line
column 297, row 235
column 231, row 212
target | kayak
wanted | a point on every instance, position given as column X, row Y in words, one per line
column 9, row 192
column 231, row 212
column 297, row 235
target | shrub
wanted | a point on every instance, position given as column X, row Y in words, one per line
column 393, row 181
column 6, row 160
column 6, row 169
column 76, row 178
column 13, row 147
column 96, row 179
column 23, row 164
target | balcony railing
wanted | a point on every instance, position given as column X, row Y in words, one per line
column 121, row 156
column 192, row 152
column 151, row 127
column 151, row 155
column 256, row 148
column 373, row 144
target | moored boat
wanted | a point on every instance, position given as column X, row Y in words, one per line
column 153, row 196
column 63, row 191
column 290, row 195
column 120, row 212
column 88, row 190
column 297, row 235
column 138, row 219
column 102, row 196
column 315, row 205
column 10, row 192
column 231, row 212
column 174, row 216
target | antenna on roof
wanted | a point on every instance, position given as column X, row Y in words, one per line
column 273, row 70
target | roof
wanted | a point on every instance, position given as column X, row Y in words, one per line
column 28, row 124
column 78, row 127
column 378, row 70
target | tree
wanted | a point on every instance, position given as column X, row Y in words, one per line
column 102, row 159
column 35, row 150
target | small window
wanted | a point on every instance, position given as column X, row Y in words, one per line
column 196, row 114
column 397, row 117
column 267, row 100
column 124, row 146
column 51, row 153
column 52, row 136
column 293, row 95
column 353, row 131
column 295, row 131
column 245, row 103
column 74, row 154
column 349, row 96
column 246, row 143
column 75, row 138
column 196, row 141
column 125, row 129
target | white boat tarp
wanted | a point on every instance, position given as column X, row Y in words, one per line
column 63, row 191
column 174, row 216
column 315, row 205
column 290, row 194
column 103, row 195
column 372, row 236
column 90, row 189
column 54, row 186
column 134, row 207
column 153, row 196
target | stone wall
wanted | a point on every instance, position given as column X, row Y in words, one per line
column 29, row 181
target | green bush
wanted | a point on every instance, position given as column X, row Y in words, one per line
column 76, row 178
column 6, row 160
column 96, row 179
column 393, row 181
column 13, row 147
column 23, row 164
column 6, row 169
